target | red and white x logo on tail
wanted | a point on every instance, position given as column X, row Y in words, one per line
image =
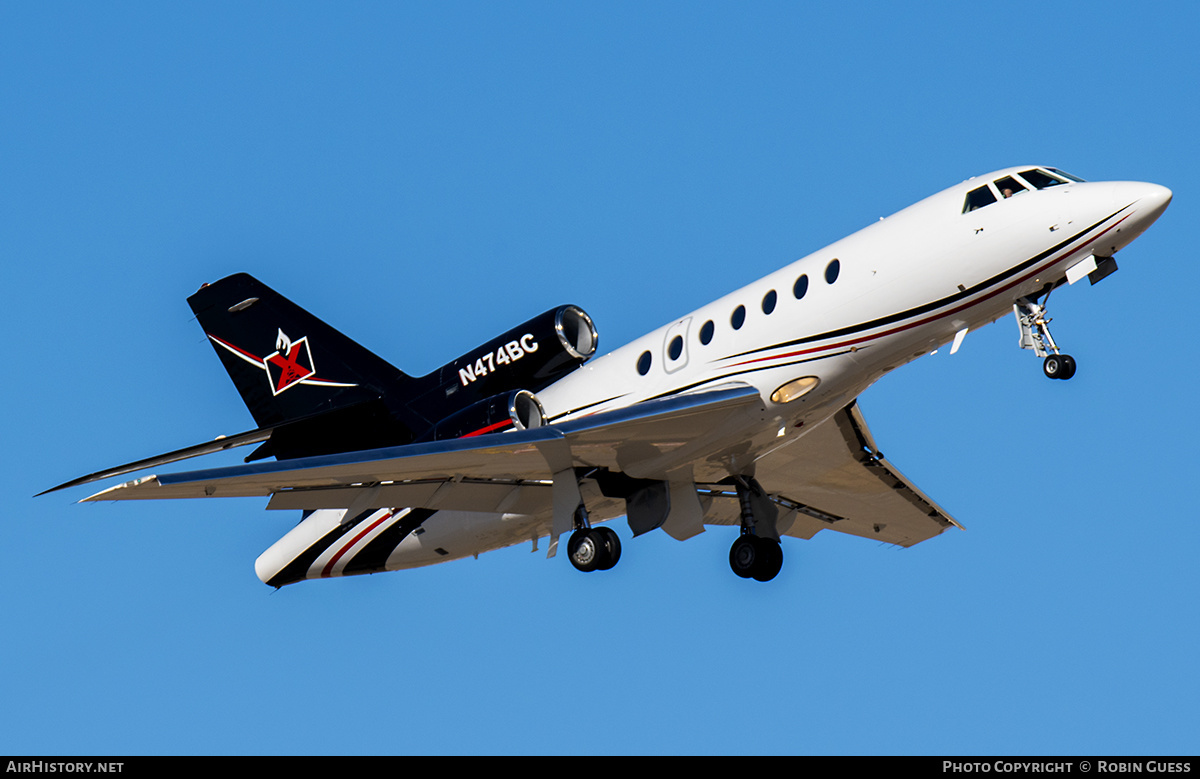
column 290, row 364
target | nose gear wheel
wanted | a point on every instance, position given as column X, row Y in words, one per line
column 1035, row 334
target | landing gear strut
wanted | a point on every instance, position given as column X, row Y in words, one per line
column 1035, row 335
column 592, row 548
column 753, row 556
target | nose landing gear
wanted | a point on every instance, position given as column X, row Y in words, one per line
column 1035, row 335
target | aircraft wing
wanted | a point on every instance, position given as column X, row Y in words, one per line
column 511, row 472
column 831, row 478
column 835, row 478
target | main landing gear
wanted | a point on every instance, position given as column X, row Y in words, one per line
column 1035, row 335
column 592, row 548
column 754, row 556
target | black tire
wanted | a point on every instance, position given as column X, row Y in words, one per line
column 770, row 560
column 612, row 547
column 744, row 556
column 1053, row 366
column 586, row 550
column 1068, row 367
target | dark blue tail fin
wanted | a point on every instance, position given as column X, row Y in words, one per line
column 321, row 391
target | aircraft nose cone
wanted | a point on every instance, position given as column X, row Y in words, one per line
column 1143, row 202
column 1149, row 201
column 1154, row 201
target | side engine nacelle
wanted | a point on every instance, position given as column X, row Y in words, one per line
column 515, row 410
column 531, row 356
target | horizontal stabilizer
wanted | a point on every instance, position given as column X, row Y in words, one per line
column 320, row 431
column 209, row 447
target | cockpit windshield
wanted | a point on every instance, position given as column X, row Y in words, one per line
column 1065, row 175
column 1041, row 179
column 978, row 198
column 1007, row 186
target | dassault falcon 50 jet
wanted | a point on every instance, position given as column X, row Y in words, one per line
column 741, row 413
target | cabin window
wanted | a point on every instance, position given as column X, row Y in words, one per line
column 831, row 271
column 706, row 332
column 978, row 198
column 739, row 317
column 801, row 287
column 643, row 363
column 1009, row 186
column 676, row 347
column 768, row 304
column 1040, row 179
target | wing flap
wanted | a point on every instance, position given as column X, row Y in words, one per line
column 490, row 497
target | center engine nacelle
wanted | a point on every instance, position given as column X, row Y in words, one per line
column 529, row 357
column 515, row 410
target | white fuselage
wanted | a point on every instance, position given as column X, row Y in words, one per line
column 904, row 286
column 925, row 254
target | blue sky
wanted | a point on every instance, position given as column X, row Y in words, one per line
column 426, row 175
